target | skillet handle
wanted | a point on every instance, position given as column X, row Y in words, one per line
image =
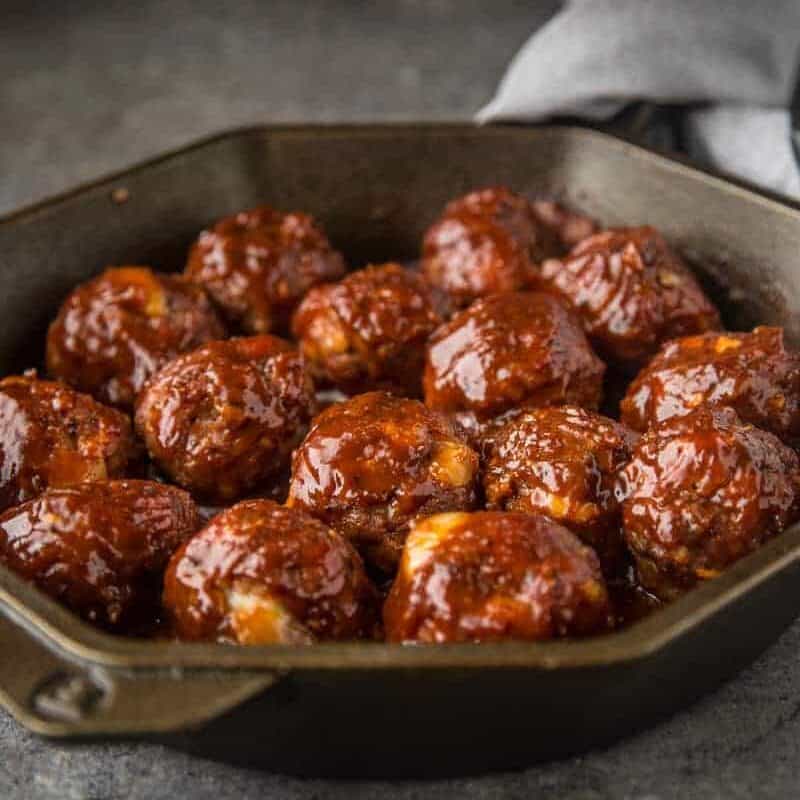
column 53, row 695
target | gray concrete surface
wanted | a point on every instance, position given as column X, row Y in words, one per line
column 89, row 87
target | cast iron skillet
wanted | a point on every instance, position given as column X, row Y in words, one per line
column 381, row 709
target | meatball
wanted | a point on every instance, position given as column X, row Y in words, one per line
column 751, row 372
column 702, row 491
column 224, row 418
column 52, row 437
column 507, row 351
column 562, row 463
column 100, row 548
column 260, row 573
column 568, row 225
column 485, row 242
column 631, row 291
column 115, row 331
column 491, row 576
column 369, row 465
column 369, row 330
column 257, row 265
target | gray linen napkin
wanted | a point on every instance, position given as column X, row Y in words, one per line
column 732, row 62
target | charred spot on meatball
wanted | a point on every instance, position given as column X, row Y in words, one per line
column 257, row 265
column 508, row 351
column 371, row 464
column 702, row 491
column 260, row 573
column 632, row 292
column 53, row 437
column 115, row 331
column 369, row 330
column 223, row 419
column 753, row 373
column 99, row 548
column 563, row 463
column 493, row 576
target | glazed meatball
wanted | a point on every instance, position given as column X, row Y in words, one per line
column 631, row 291
column 224, row 418
column 257, row 265
column 485, row 242
column 260, row 573
column 490, row 576
column 115, row 331
column 569, row 226
column 100, row 548
column 369, row 330
column 371, row 464
column 52, row 437
column 751, row 372
column 562, row 463
column 701, row 492
column 507, row 351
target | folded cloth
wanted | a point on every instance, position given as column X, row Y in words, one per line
column 730, row 63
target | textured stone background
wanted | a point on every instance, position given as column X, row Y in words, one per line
column 98, row 85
